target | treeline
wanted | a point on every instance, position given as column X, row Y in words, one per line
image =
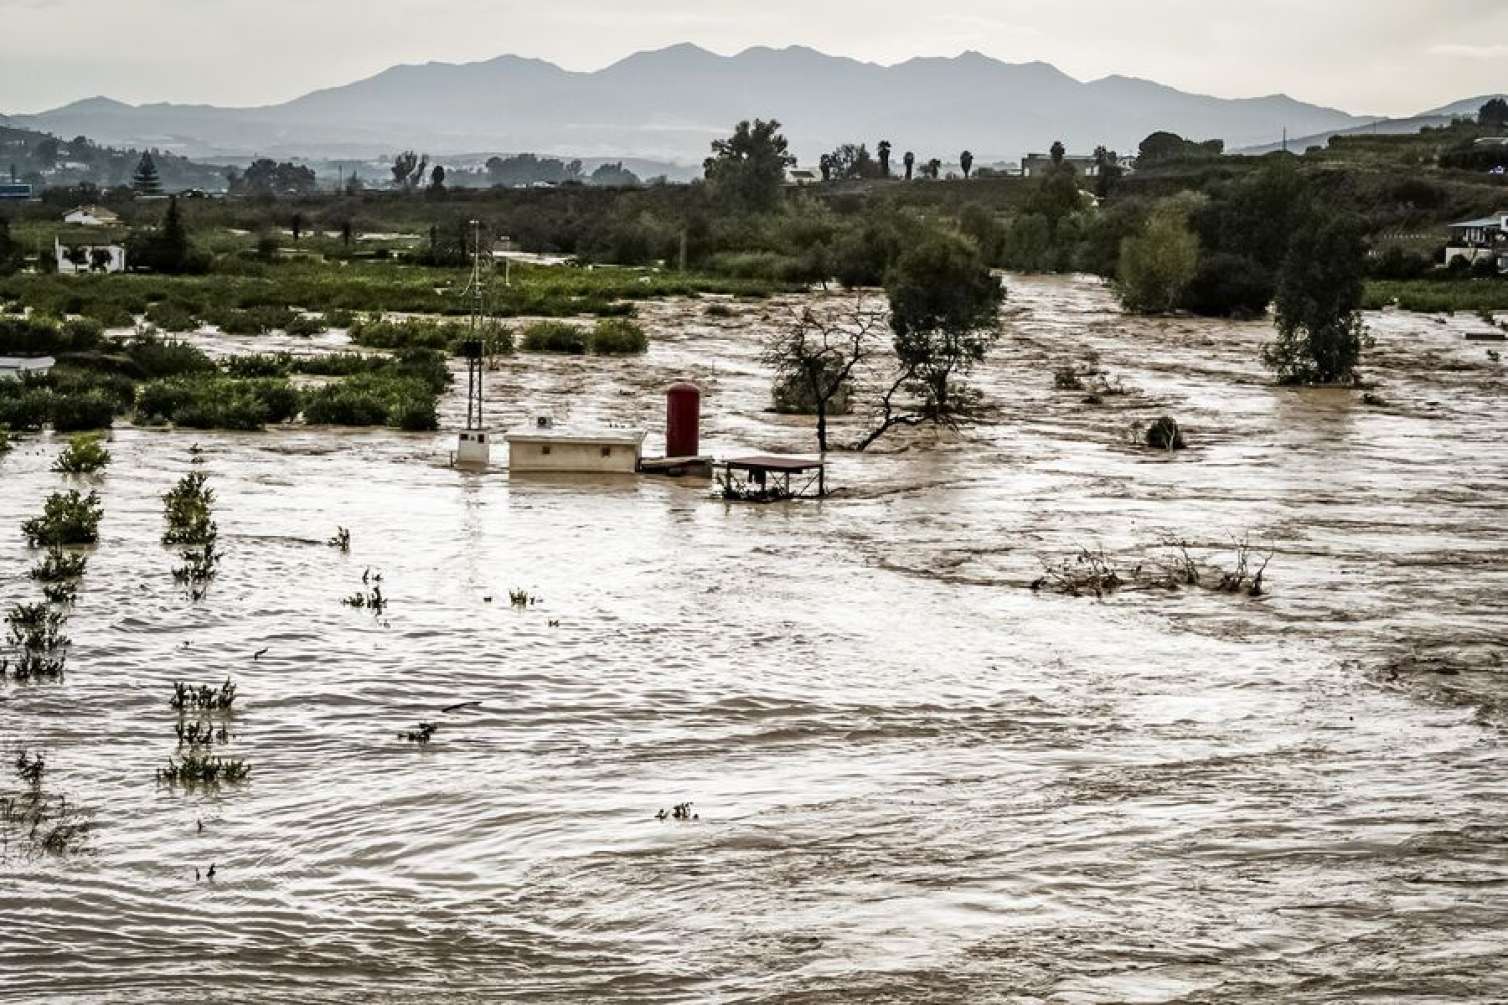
column 44, row 160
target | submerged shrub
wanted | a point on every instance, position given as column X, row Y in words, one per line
column 1164, row 434
column 407, row 333
column 172, row 317
column 186, row 508
column 67, row 518
column 555, row 336
column 1227, row 285
column 58, row 566
column 89, row 410
column 613, row 336
column 84, row 453
column 24, row 406
column 374, row 399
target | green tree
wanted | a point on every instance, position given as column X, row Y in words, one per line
column 910, row 161
column 1028, row 244
column 437, row 178
column 1317, row 312
column 166, row 249
column 1493, row 113
column 966, row 161
column 1157, row 264
column 884, row 152
column 10, row 252
column 1057, row 153
column 978, row 223
column 825, row 165
column 403, row 167
column 934, row 168
column 944, row 311
column 145, row 180
column 747, row 170
column 1107, row 171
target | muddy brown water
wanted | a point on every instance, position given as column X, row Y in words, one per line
column 915, row 779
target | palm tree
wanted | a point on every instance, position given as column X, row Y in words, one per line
column 966, row 161
column 909, row 160
column 1057, row 152
column 884, row 151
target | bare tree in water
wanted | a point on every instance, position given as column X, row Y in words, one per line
column 818, row 353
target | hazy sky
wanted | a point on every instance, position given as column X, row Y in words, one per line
column 1366, row 56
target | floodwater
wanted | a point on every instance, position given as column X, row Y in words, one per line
column 914, row 778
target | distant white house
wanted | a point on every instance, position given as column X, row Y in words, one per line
column 73, row 259
column 17, row 367
column 802, row 176
column 1478, row 239
column 91, row 216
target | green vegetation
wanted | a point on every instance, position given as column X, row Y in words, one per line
column 1320, row 332
column 85, row 453
column 555, row 336
column 187, row 509
column 67, row 518
column 1436, row 296
column 217, row 402
column 374, row 399
column 617, row 336
column 1157, row 265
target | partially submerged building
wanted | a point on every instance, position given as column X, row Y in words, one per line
column 544, row 447
column 77, row 258
column 1485, row 238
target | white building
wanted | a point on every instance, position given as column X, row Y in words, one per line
column 544, row 447
column 801, row 176
column 1478, row 239
column 91, row 216
column 17, row 367
column 79, row 258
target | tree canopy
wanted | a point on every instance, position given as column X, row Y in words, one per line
column 746, row 170
column 944, row 307
column 145, row 180
column 1317, row 311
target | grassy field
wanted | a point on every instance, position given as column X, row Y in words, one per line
column 1437, row 296
column 313, row 285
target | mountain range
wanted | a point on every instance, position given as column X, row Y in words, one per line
column 668, row 104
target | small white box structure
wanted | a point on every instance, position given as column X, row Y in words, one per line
column 474, row 448
column 543, row 446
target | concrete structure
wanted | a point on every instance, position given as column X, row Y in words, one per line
column 1033, row 165
column 1474, row 240
column 543, row 447
column 96, row 257
column 473, row 449
column 17, row 367
column 91, row 216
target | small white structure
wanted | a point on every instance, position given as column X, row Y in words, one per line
column 91, row 216
column 473, row 449
column 544, row 447
column 17, row 367
column 801, row 176
column 77, row 258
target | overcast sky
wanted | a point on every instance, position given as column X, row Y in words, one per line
column 1366, row 56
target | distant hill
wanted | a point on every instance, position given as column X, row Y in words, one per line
column 667, row 105
column 1434, row 118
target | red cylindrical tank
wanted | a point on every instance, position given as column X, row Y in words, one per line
column 683, row 414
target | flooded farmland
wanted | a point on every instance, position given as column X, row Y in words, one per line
column 912, row 776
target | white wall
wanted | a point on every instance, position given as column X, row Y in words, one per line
column 558, row 455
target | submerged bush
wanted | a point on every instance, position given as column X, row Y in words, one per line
column 89, row 410
column 1164, row 434
column 407, row 333
column 84, row 453
column 615, row 336
column 216, row 402
column 187, row 508
column 1227, row 285
column 67, row 518
column 374, row 399
column 24, row 406
column 555, row 336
